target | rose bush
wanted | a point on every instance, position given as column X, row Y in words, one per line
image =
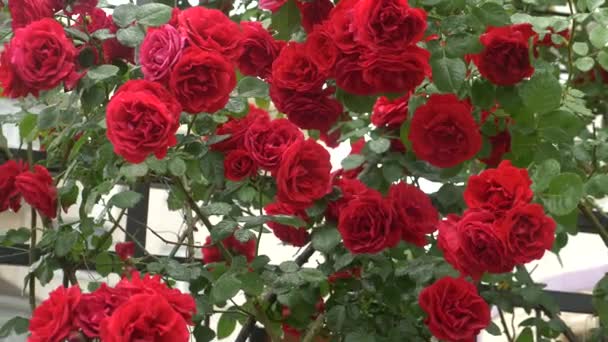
column 477, row 136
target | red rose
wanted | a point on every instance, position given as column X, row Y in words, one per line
column 304, row 174
column 366, row 225
column 340, row 25
column 500, row 189
column 398, row 72
column 145, row 317
column 267, row 142
column 9, row 193
column 397, row 146
column 38, row 57
column 38, row 190
column 350, row 189
column 415, row 215
column 174, row 21
column 114, row 50
column 96, row 306
column 213, row 254
column 313, row 12
column 471, row 244
column 24, row 12
column 295, row 70
column 53, row 319
column 236, row 128
column 125, row 250
column 202, row 81
column 455, row 311
column 350, row 75
column 142, row 118
column 315, row 110
column 159, row 51
column 391, row 114
column 258, row 50
column 388, row 24
column 528, row 232
column 505, row 59
column 354, row 272
column 443, row 131
column 211, row 30
column 238, row 165
column 322, row 49
column 271, row 5
column 294, row 236
column 330, row 139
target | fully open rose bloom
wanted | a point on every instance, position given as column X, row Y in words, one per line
column 258, row 50
column 142, row 119
column 304, row 174
column 9, row 194
column 443, row 131
column 455, row 311
column 415, row 214
column 53, row 320
column 24, row 12
column 38, row 57
column 350, row 189
column 313, row 12
column 267, row 142
column 38, row 190
column 159, row 51
column 238, row 164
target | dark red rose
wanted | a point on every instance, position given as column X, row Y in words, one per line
column 471, row 244
column 258, row 50
column 202, row 81
column 38, row 190
column 182, row 303
column 528, row 232
column 313, row 12
column 213, row 254
column 145, row 316
column 294, row 236
column 350, row 75
column 142, row 118
column 295, row 70
column 238, row 165
column 388, row 24
column 443, row 131
column 397, row 72
column 455, row 311
column 340, row 26
column 353, row 273
column 415, row 214
column 24, row 12
column 125, row 250
column 53, row 320
column 350, row 189
column 236, row 128
column 505, row 59
column 366, row 225
column 390, row 114
column 271, row 5
column 356, row 147
column 267, row 142
column 9, row 193
column 211, row 30
column 38, row 57
column 315, row 110
column 500, row 189
column 331, row 140
column 304, row 174
column 96, row 306
column 322, row 49
column 159, row 51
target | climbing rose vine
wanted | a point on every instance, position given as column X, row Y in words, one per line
column 477, row 136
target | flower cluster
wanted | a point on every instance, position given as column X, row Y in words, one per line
column 135, row 309
column 35, row 186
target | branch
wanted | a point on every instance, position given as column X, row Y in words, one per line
column 503, row 321
column 314, row 329
column 603, row 232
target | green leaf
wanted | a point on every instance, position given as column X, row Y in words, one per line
column 288, row 220
column 343, row 261
column 124, row 15
column 131, row 36
column 584, row 63
column 134, row 171
column 597, row 186
column 153, row 14
column 543, row 174
column 226, row 287
column 542, row 93
column 126, row 199
column 244, row 235
column 592, row 5
column 336, row 317
column 491, row 14
column 326, row 239
column 461, row 44
column 103, row 34
column 105, row 263
column 599, row 36
column 563, row 194
column 102, row 72
column 312, row 275
column 289, row 266
column 251, row 283
column 27, row 127
column 218, row 208
column 65, row 242
column 602, row 59
column 580, row 48
column 483, row 94
column 15, row 236
column 493, row 329
column 359, row 337
column 177, row 167
column 286, row 20
column 448, row 73
column 356, row 103
column 15, row 325
column 352, row 162
column 203, row 333
column 48, row 118
column 525, row 336
column 380, row 145
column 225, row 325
column 252, row 87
